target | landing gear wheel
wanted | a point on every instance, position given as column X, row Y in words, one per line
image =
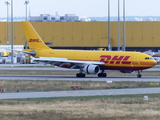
column 80, row 75
column 102, row 74
column 139, row 75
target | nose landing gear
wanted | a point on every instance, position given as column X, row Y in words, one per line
column 139, row 74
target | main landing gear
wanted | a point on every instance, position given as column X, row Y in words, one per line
column 102, row 74
column 139, row 74
column 80, row 74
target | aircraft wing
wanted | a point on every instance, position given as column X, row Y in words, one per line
column 63, row 61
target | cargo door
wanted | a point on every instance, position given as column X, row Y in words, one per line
column 136, row 60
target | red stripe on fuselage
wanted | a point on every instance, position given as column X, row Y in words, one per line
column 147, row 63
column 126, row 62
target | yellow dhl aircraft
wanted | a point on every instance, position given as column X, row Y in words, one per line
column 89, row 62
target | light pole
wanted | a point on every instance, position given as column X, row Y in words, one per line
column 26, row 3
column 118, row 25
column 7, row 37
column 124, row 27
column 109, row 39
column 12, row 30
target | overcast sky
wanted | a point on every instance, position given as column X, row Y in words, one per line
column 82, row 7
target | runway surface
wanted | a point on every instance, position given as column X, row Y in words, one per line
column 73, row 78
column 78, row 93
column 66, row 77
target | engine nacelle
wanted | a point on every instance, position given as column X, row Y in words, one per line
column 127, row 71
column 91, row 69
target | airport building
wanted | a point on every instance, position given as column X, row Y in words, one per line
column 140, row 36
column 52, row 18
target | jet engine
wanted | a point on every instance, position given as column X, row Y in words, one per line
column 127, row 71
column 91, row 69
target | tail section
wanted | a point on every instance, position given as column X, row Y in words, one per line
column 34, row 40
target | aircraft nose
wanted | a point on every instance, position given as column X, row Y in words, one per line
column 157, row 60
column 154, row 63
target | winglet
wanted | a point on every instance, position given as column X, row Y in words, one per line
column 34, row 40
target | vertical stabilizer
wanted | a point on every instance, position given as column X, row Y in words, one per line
column 34, row 40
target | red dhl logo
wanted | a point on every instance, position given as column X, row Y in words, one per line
column 34, row 40
column 115, row 59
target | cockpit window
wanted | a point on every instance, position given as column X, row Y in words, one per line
column 149, row 58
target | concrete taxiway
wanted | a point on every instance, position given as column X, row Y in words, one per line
column 78, row 93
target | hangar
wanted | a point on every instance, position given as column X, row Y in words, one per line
column 140, row 35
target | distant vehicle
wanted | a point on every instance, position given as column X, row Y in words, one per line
column 89, row 62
